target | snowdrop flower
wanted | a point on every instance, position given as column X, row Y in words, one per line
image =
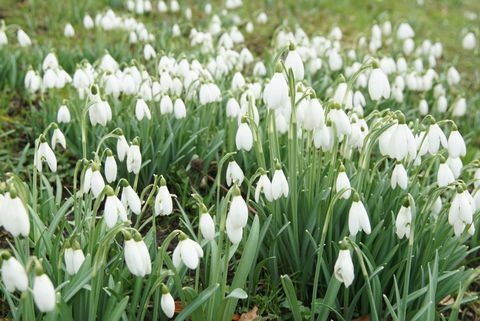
column 58, row 137
column 233, row 108
column 63, row 115
column 435, row 137
column 45, row 153
column 110, row 167
column 399, row 177
column 43, row 292
column 279, row 183
column 459, row 108
column 455, row 165
column 339, row 118
column 122, row 147
column 32, row 81
column 469, row 42
column 442, row 104
column 14, row 276
column 335, row 61
column 130, row 198
column 3, row 38
column 275, row 94
column 206, row 224
column 263, row 186
column 453, row 77
column 179, row 109
column 167, row 303
column 444, row 175
column 423, row 107
column 437, row 207
column 259, row 70
column 234, row 174
column 343, row 96
column 88, row 22
column 378, row 85
column 262, row 18
column 187, row 252
column 461, row 210
column 405, row 31
column 209, row 93
column 238, row 213
column 136, row 254
column 134, row 158
column 73, row 258
column 142, row 110
column 68, row 32
column 343, row 269
column 166, row 105
column 244, row 137
column 358, row 217
column 114, row 209
column 456, row 144
column 163, row 200
column 23, row 39
column 323, row 137
column 295, row 63
column 402, row 142
column 403, row 222
column 238, row 81
column 149, row 52
column 313, row 115
column 97, row 184
column 342, row 182
column 174, row 6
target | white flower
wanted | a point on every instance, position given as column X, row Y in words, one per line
column 456, row 144
column 455, row 165
column 14, row 276
column 402, row 144
column 63, row 115
column 453, row 77
column 435, row 137
column 167, row 303
column 244, row 137
column 404, row 221
column 233, row 108
column 323, row 138
column 294, row 62
column 97, row 183
column 206, row 225
column 313, row 115
column 23, row 39
column 142, row 110
column 130, row 199
column 187, row 251
column 279, row 184
column 68, row 31
column 134, row 159
column 163, row 200
column 74, row 259
column 166, row 105
column 423, row 107
column 263, row 186
column 405, row 31
column 399, row 177
column 122, row 148
column 461, row 211
column 339, row 118
column 137, row 257
column 234, row 233
column 459, row 108
column 88, row 22
column 378, row 85
column 3, row 38
column 444, row 175
column 437, row 207
column 179, row 109
column 275, row 94
column 110, row 168
column 238, row 213
column 44, row 293
column 114, row 209
column 343, row 96
column 469, row 42
column 234, row 174
column 343, row 182
column 58, row 137
column 358, row 217
column 149, row 52
column 45, row 153
column 343, row 269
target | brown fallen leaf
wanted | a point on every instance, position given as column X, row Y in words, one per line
column 364, row 318
column 448, row 300
column 250, row 315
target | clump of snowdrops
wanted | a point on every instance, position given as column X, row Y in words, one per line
column 339, row 176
